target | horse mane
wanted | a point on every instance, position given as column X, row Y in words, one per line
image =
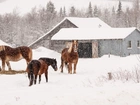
column 47, row 60
column 2, row 48
column 70, row 48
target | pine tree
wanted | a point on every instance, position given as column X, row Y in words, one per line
column 136, row 10
column 95, row 12
column 61, row 13
column 64, row 12
column 51, row 13
column 90, row 11
column 119, row 11
column 72, row 12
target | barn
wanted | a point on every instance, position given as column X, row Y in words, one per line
column 95, row 38
column 97, row 42
column 68, row 22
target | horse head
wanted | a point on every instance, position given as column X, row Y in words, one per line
column 54, row 64
column 75, row 45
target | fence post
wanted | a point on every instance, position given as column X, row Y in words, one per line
column 109, row 75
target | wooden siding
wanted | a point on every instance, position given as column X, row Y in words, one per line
column 45, row 41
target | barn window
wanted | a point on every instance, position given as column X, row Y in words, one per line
column 138, row 43
column 129, row 44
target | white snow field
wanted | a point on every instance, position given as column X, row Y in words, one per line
column 90, row 86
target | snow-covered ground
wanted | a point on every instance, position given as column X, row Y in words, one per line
column 89, row 86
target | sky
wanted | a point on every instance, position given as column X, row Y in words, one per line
column 24, row 6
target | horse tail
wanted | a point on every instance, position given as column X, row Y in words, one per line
column 66, row 65
column 61, row 63
column 30, row 54
column 30, row 72
column 26, row 53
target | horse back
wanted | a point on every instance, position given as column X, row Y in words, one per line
column 34, row 67
column 48, row 61
column 6, row 52
column 43, row 68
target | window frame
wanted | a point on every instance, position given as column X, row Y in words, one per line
column 129, row 44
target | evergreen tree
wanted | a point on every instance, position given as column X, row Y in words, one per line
column 51, row 13
column 113, row 17
column 90, row 11
column 120, row 18
column 61, row 13
column 119, row 10
column 136, row 11
column 64, row 12
column 72, row 12
column 95, row 12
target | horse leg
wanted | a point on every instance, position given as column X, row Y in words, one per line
column 30, row 83
column 62, row 65
column 75, row 64
column 29, row 76
column 70, row 68
column 9, row 66
column 3, row 65
column 39, row 78
column 46, row 75
column 35, row 79
column 31, row 79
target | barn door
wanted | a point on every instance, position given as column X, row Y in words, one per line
column 95, row 49
column 85, row 50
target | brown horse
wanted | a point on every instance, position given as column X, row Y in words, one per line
column 14, row 54
column 70, row 56
column 38, row 67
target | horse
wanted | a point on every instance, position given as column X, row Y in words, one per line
column 38, row 67
column 70, row 56
column 8, row 53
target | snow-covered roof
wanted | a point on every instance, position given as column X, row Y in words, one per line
column 88, row 22
column 80, row 23
column 3, row 43
column 94, row 33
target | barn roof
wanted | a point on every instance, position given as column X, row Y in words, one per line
column 88, row 22
column 80, row 23
column 3, row 43
column 95, row 33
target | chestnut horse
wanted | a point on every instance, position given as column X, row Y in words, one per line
column 38, row 67
column 70, row 56
column 8, row 53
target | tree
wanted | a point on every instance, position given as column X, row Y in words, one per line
column 120, row 16
column 95, row 12
column 113, row 17
column 136, row 11
column 119, row 10
column 62, row 12
column 72, row 12
column 90, row 11
column 50, row 15
column 106, row 16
